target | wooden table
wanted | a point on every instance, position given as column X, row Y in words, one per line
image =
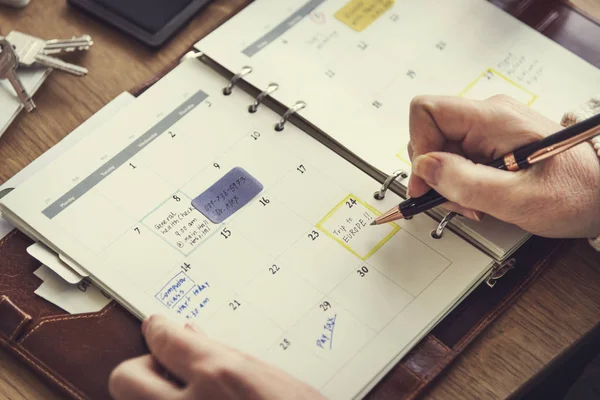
column 558, row 309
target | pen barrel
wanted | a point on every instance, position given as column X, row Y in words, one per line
column 421, row 204
column 584, row 129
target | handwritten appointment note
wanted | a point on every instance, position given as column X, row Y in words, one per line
column 230, row 193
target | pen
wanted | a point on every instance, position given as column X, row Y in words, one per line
column 520, row 158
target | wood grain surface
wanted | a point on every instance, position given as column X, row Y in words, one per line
column 557, row 310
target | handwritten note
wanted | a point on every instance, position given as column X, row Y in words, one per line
column 184, row 296
column 348, row 224
column 359, row 14
column 230, row 193
column 180, row 224
column 326, row 338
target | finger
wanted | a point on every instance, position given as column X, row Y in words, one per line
column 140, row 378
column 463, row 211
column 175, row 347
column 483, row 129
column 435, row 120
column 472, row 186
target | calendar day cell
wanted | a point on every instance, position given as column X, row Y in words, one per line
column 374, row 70
column 190, row 292
column 258, row 155
column 232, row 257
column 297, row 360
column 491, row 83
column 174, row 159
column 206, row 177
column 269, row 224
column 319, row 260
column 281, row 295
column 178, row 223
column 135, row 188
column 308, row 179
column 371, row 296
column 333, row 333
column 409, row 262
column 348, row 224
column 239, row 324
column 105, row 221
column 140, row 255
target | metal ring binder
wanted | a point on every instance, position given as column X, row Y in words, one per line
column 439, row 231
column 259, row 99
column 380, row 194
column 499, row 271
column 294, row 109
column 229, row 88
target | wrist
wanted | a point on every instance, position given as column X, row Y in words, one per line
column 591, row 108
column 595, row 238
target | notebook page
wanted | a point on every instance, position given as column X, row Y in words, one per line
column 358, row 71
column 276, row 259
column 95, row 120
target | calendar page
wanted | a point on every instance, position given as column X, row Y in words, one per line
column 359, row 63
column 186, row 204
column 369, row 58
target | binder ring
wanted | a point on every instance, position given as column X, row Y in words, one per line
column 499, row 271
column 259, row 99
column 380, row 194
column 229, row 88
column 294, row 109
column 439, row 231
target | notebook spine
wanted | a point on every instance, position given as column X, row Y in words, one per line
column 252, row 108
column 227, row 90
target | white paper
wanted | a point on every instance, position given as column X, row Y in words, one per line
column 10, row 106
column 74, row 299
column 52, row 261
column 358, row 85
column 295, row 277
column 96, row 120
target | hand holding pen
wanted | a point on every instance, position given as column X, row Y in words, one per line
column 452, row 140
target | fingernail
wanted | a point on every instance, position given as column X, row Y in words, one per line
column 409, row 189
column 145, row 324
column 427, row 168
column 191, row 327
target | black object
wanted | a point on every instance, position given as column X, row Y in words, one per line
column 151, row 22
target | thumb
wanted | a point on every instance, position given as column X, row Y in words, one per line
column 472, row 186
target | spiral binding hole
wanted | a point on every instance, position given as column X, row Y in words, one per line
column 294, row 109
column 227, row 90
column 439, row 231
column 259, row 99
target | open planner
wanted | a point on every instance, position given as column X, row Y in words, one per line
column 199, row 201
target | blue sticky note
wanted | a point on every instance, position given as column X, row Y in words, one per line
column 230, row 193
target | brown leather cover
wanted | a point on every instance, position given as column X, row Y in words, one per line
column 76, row 353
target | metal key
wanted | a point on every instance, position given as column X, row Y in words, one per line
column 30, row 51
column 9, row 61
column 55, row 46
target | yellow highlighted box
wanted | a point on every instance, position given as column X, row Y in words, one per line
column 348, row 224
column 359, row 14
column 492, row 82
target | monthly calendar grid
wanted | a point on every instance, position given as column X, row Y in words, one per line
column 359, row 266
